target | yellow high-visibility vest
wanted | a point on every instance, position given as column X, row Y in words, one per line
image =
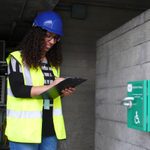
column 24, row 115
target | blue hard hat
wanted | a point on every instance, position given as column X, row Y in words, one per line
column 49, row 21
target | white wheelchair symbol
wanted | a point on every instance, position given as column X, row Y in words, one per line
column 136, row 118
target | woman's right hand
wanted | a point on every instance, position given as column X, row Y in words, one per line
column 57, row 80
column 37, row 90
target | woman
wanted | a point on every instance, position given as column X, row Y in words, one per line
column 35, row 122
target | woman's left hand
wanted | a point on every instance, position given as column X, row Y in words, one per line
column 68, row 91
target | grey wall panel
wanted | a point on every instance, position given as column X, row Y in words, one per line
column 127, row 58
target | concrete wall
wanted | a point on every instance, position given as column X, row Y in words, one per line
column 79, row 50
column 122, row 55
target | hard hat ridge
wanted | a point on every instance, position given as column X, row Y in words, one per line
column 50, row 21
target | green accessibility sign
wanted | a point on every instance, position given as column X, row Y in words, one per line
column 137, row 103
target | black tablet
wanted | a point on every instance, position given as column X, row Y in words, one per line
column 68, row 82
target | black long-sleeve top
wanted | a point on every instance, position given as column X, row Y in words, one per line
column 19, row 89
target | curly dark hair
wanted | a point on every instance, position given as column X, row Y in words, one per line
column 31, row 46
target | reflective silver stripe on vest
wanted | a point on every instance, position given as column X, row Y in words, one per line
column 24, row 114
column 9, row 92
column 57, row 112
column 27, row 75
column 13, row 64
column 8, row 70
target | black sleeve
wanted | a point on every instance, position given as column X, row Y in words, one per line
column 16, row 80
